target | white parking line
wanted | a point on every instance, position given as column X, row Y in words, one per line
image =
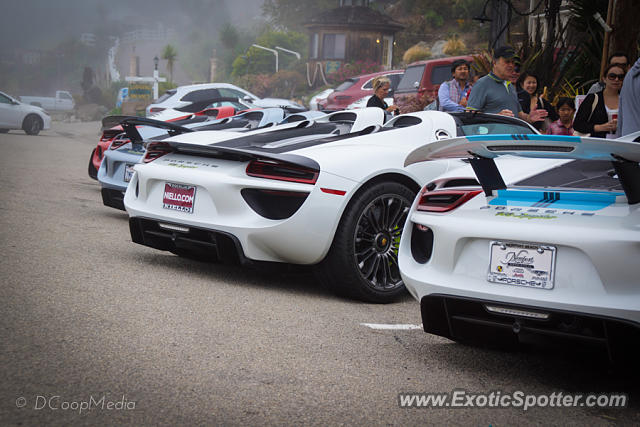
column 391, row 327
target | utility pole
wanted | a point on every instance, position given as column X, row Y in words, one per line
column 607, row 32
column 500, row 14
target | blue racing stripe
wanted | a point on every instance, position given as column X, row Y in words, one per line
column 520, row 137
column 581, row 201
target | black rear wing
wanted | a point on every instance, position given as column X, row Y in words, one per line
column 240, row 154
column 129, row 124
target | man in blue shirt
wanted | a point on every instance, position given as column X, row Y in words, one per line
column 453, row 94
column 494, row 93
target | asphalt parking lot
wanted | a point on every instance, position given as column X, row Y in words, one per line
column 97, row 330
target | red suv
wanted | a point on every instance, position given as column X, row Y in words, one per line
column 421, row 81
column 356, row 88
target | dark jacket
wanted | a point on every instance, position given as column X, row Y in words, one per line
column 374, row 101
column 582, row 123
column 525, row 101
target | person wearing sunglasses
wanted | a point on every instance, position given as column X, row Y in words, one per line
column 598, row 113
column 618, row 58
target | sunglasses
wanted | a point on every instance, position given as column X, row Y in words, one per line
column 613, row 76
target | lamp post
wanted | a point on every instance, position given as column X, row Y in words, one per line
column 155, row 77
column 275, row 52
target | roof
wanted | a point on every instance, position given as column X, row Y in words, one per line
column 360, row 17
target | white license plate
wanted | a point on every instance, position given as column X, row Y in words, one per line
column 522, row 264
column 128, row 172
column 179, row 197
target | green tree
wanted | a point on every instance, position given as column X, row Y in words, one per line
column 257, row 61
column 170, row 54
column 229, row 36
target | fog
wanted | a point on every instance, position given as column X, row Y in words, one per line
column 41, row 24
column 37, row 38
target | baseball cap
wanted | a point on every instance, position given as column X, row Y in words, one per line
column 506, row 52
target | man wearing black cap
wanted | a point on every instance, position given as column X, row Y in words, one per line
column 453, row 94
column 494, row 93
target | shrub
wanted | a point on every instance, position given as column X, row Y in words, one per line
column 417, row 52
column 454, row 46
column 351, row 69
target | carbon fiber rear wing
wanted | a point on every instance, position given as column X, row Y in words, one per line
column 129, row 124
column 240, row 154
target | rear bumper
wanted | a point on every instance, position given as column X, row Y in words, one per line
column 113, row 198
column 209, row 244
column 469, row 319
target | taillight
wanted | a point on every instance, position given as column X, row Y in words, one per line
column 156, row 109
column 282, row 172
column 155, row 150
column 119, row 141
column 444, row 200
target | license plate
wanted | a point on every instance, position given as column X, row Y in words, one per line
column 128, row 172
column 179, row 197
column 522, row 264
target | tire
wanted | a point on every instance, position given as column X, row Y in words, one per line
column 4, row 130
column 93, row 172
column 362, row 262
column 32, row 125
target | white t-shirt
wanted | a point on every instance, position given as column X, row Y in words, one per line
column 611, row 114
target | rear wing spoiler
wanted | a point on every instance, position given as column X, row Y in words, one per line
column 129, row 124
column 481, row 150
column 240, row 154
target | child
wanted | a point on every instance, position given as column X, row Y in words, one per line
column 564, row 125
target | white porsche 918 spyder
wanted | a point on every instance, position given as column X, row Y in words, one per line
column 554, row 255
column 318, row 193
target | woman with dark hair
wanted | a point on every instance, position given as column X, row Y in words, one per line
column 530, row 99
column 564, row 125
column 598, row 113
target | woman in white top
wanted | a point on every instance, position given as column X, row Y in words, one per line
column 598, row 113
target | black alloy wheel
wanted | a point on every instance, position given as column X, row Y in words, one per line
column 363, row 260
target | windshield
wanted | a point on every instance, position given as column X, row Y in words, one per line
column 493, row 128
column 168, row 94
column 345, row 85
column 412, row 76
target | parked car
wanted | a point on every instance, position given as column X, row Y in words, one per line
column 333, row 194
column 185, row 95
column 111, row 129
column 18, row 115
column 356, row 88
column 61, row 102
column 421, row 80
column 127, row 148
column 198, row 107
column 550, row 253
column 319, row 97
